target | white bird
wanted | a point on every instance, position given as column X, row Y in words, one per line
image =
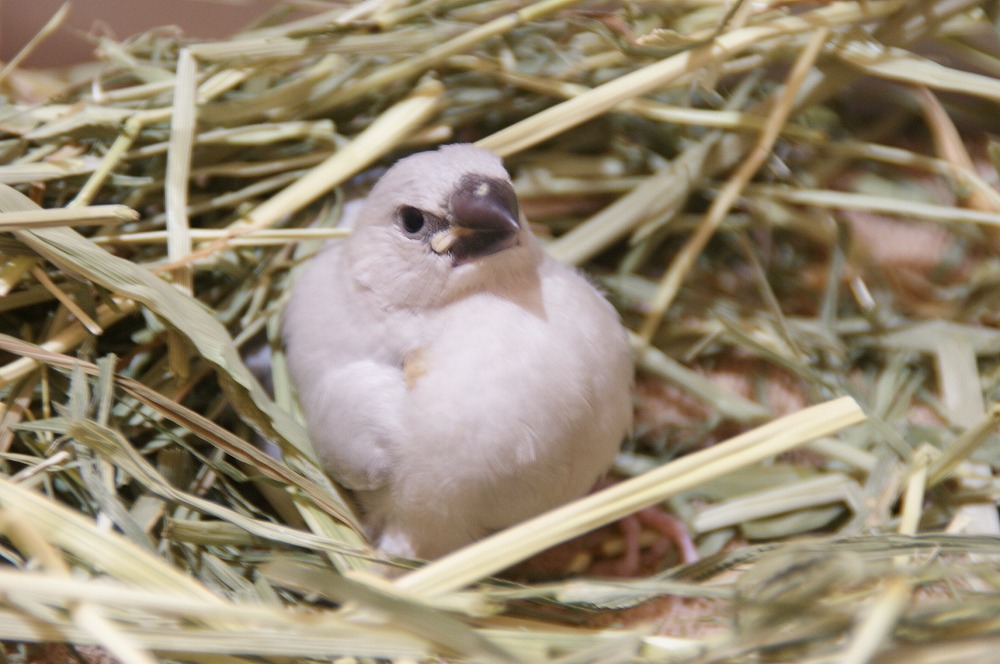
column 452, row 374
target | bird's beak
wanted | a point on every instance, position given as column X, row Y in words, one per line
column 484, row 220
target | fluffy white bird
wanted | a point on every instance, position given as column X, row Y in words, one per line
column 453, row 374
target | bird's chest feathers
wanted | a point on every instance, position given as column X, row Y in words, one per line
column 469, row 333
column 483, row 386
column 473, row 339
column 493, row 395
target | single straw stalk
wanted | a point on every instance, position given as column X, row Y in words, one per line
column 95, row 215
column 181, row 145
column 92, row 326
column 514, row 544
column 182, row 128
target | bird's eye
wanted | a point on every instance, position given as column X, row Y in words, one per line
column 411, row 219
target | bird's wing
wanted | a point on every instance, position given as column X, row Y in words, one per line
column 350, row 395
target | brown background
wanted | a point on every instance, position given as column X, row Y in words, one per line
column 20, row 20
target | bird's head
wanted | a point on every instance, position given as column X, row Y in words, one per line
column 440, row 223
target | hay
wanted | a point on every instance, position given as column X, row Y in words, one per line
column 791, row 205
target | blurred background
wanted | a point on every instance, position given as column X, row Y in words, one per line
column 88, row 20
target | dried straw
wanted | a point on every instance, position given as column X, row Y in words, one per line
column 792, row 206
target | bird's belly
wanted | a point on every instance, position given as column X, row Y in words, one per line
column 491, row 440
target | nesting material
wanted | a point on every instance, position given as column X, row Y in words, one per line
column 794, row 207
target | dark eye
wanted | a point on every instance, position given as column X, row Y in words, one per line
column 411, row 219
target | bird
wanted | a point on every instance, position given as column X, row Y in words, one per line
column 454, row 376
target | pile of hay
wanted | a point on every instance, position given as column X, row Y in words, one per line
column 792, row 205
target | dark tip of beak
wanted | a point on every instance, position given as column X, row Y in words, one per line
column 486, row 208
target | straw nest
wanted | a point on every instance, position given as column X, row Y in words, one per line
column 791, row 204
